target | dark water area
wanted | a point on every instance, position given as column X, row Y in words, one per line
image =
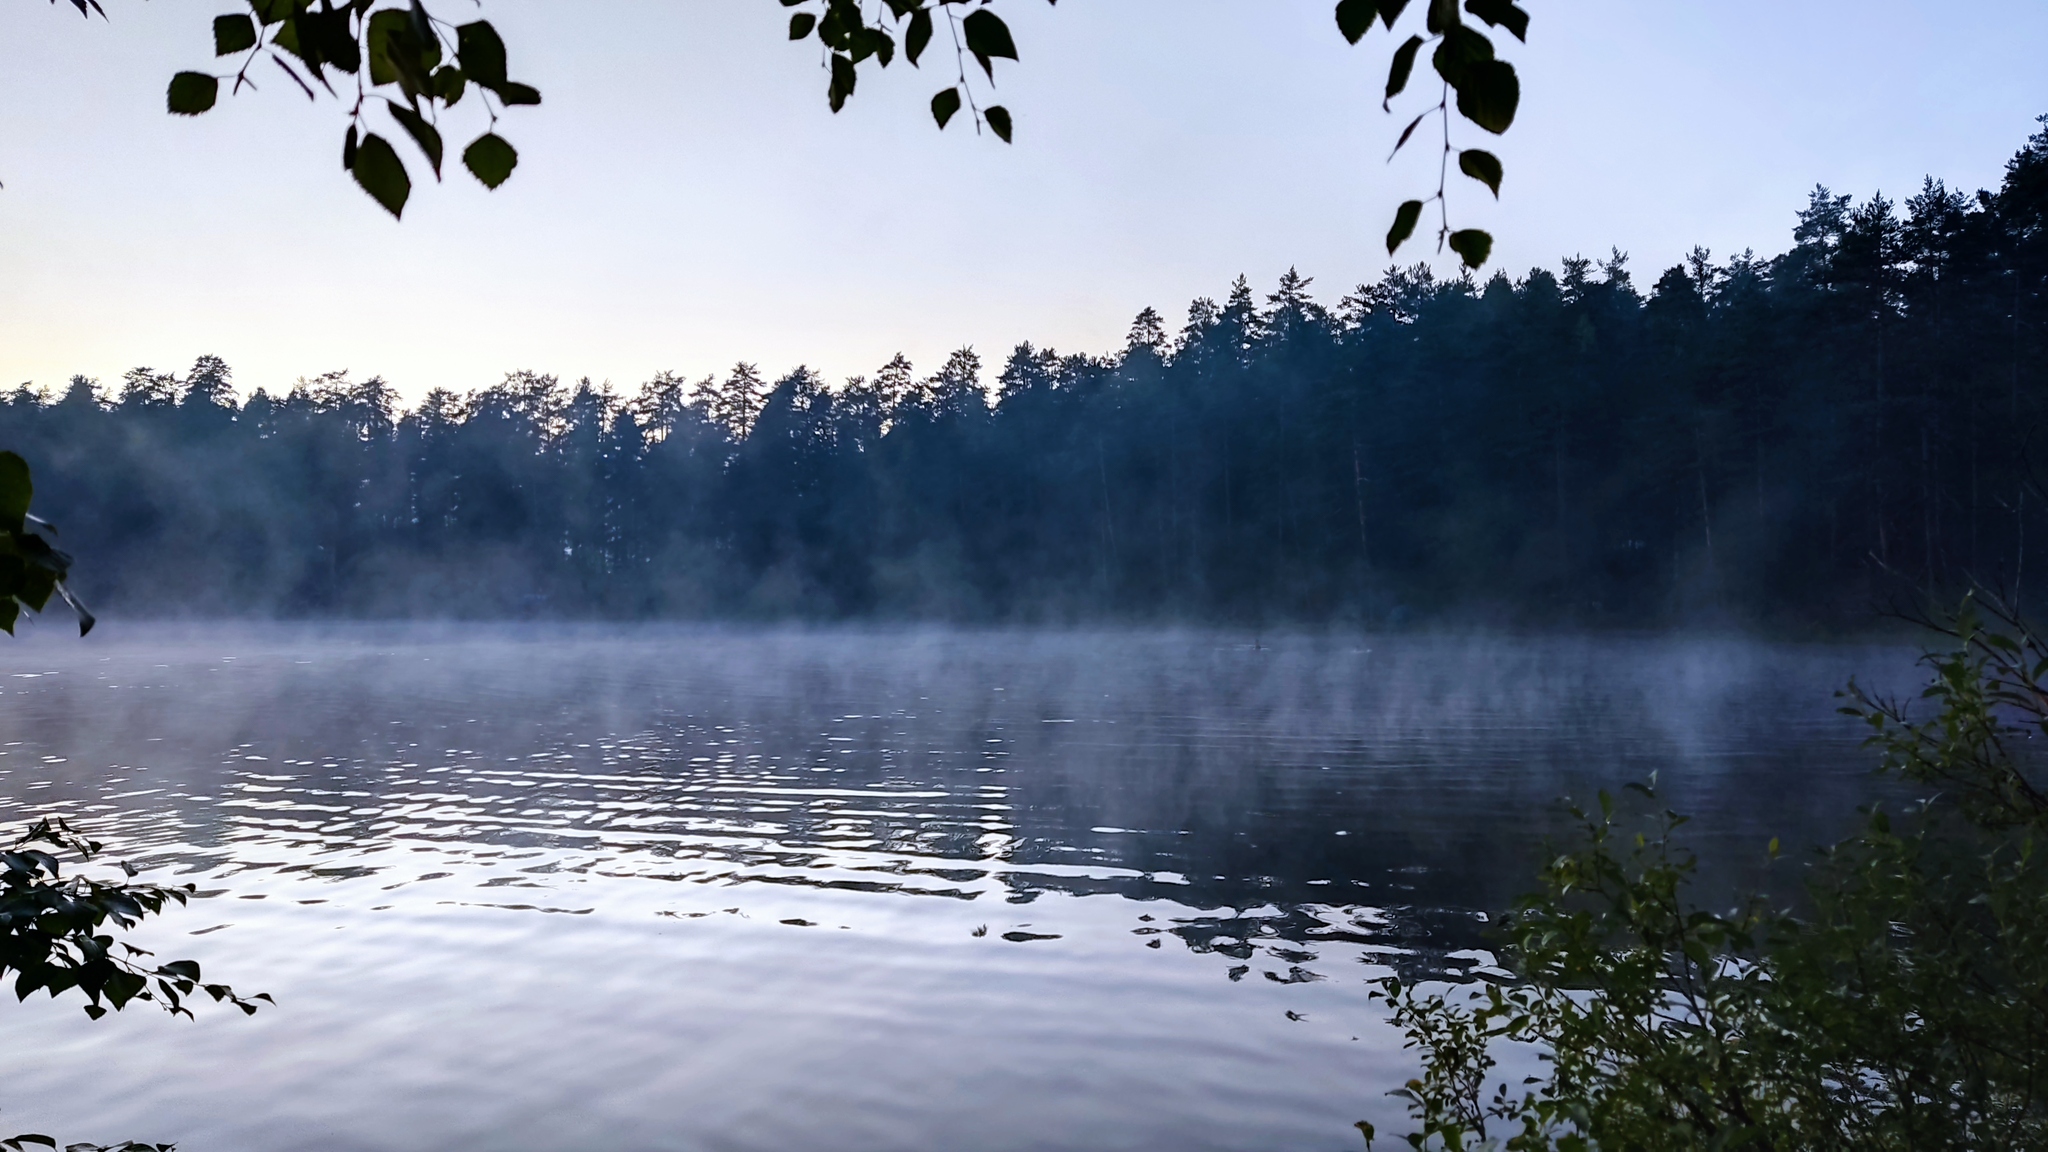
column 545, row 887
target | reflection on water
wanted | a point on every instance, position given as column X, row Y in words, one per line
column 666, row 888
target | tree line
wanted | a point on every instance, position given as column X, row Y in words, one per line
column 1760, row 439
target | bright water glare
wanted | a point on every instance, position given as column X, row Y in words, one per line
column 663, row 888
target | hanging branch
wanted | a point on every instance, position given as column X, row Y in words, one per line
column 1487, row 91
column 396, row 53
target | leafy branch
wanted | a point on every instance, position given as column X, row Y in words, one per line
column 50, row 924
column 404, row 48
column 1487, row 94
column 850, row 39
column 31, row 568
column 1905, row 1006
column 1991, row 685
column 416, row 67
column 52, row 938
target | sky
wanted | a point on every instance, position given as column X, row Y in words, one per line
column 685, row 199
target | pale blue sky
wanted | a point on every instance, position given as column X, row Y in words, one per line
column 685, row 199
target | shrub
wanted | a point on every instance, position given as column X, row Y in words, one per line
column 1903, row 1004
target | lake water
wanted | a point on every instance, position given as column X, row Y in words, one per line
column 664, row 888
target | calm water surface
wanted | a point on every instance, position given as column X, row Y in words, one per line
column 663, row 888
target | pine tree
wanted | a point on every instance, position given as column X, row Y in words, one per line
column 735, row 402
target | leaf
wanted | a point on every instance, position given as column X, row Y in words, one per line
column 1355, row 17
column 838, row 25
column 1403, row 67
column 490, row 159
column 37, row 584
column 1472, row 245
column 348, row 149
column 945, row 104
column 882, row 44
column 381, row 174
column 1481, row 166
column 1460, row 50
column 1404, row 224
column 422, row 133
column 337, row 40
column 481, row 52
column 513, row 92
column 1490, row 94
column 287, row 36
column 450, row 84
column 998, row 118
column 988, row 37
column 393, row 57
column 800, row 25
column 844, row 76
column 16, row 490
column 319, row 38
column 279, row 61
column 1390, row 11
column 1502, row 14
column 192, row 93
column 1407, row 132
column 919, row 35
column 423, row 28
column 233, row 33
column 841, row 20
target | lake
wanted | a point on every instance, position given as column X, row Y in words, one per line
column 551, row 887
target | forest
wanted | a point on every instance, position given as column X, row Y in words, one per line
column 1780, row 442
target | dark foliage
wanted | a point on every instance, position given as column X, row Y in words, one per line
column 392, row 55
column 1762, row 439
column 31, row 1140
column 55, row 930
column 1904, row 1006
column 31, row 569
column 397, row 55
column 54, row 933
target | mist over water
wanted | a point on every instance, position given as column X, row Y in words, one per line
column 664, row 887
